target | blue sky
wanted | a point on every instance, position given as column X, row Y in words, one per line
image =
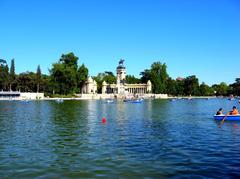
column 192, row 37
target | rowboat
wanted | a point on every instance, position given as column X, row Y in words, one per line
column 137, row 101
column 133, row 100
column 228, row 118
column 59, row 100
column 109, row 101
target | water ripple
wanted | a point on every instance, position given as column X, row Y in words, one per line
column 155, row 139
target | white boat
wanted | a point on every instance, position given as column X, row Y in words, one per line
column 59, row 100
column 109, row 101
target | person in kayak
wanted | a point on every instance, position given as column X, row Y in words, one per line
column 220, row 112
column 234, row 111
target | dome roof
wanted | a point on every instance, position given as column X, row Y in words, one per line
column 104, row 83
column 90, row 80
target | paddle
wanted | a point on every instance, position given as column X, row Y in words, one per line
column 224, row 119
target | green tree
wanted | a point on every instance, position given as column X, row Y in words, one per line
column 171, row 87
column 66, row 77
column 146, row 75
column 107, row 76
column 82, row 76
column 38, row 77
column 70, row 60
column 46, row 85
column 236, row 87
column 191, row 85
column 26, row 82
column 164, row 78
column 57, row 78
column 4, row 75
column 155, row 77
column 99, row 80
column 221, row 89
column 12, row 75
column 158, row 76
column 180, row 87
column 131, row 79
column 205, row 90
column 64, row 74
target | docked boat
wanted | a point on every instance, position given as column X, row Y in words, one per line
column 137, row 101
column 109, row 101
column 228, row 118
column 133, row 100
column 59, row 100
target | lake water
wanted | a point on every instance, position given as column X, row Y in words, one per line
column 155, row 139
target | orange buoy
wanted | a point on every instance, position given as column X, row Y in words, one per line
column 104, row 120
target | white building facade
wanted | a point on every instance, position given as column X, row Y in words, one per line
column 90, row 86
column 123, row 88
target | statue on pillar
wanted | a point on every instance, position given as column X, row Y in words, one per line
column 121, row 61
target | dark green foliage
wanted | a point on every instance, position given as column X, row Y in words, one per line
column 38, row 77
column 69, row 60
column 12, row 75
column 26, row 82
column 146, row 75
column 205, row 90
column 66, row 78
column 130, row 79
column 155, row 73
column 45, row 85
column 172, row 87
column 221, row 89
column 82, row 75
column 158, row 76
column 107, row 76
column 4, row 75
column 164, row 78
column 110, row 79
column 180, row 87
column 191, row 85
column 162, row 83
column 235, row 87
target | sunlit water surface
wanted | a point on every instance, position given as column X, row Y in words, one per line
column 155, row 139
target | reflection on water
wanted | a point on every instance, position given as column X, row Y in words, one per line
column 157, row 138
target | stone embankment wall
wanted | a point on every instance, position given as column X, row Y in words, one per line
column 32, row 96
column 23, row 96
column 106, row 96
column 95, row 96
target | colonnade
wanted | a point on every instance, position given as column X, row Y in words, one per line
column 137, row 90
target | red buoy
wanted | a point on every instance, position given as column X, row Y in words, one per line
column 104, row 120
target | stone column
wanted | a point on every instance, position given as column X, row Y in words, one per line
column 104, row 87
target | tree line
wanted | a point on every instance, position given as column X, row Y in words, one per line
column 163, row 83
column 189, row 86
column 67, row 77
